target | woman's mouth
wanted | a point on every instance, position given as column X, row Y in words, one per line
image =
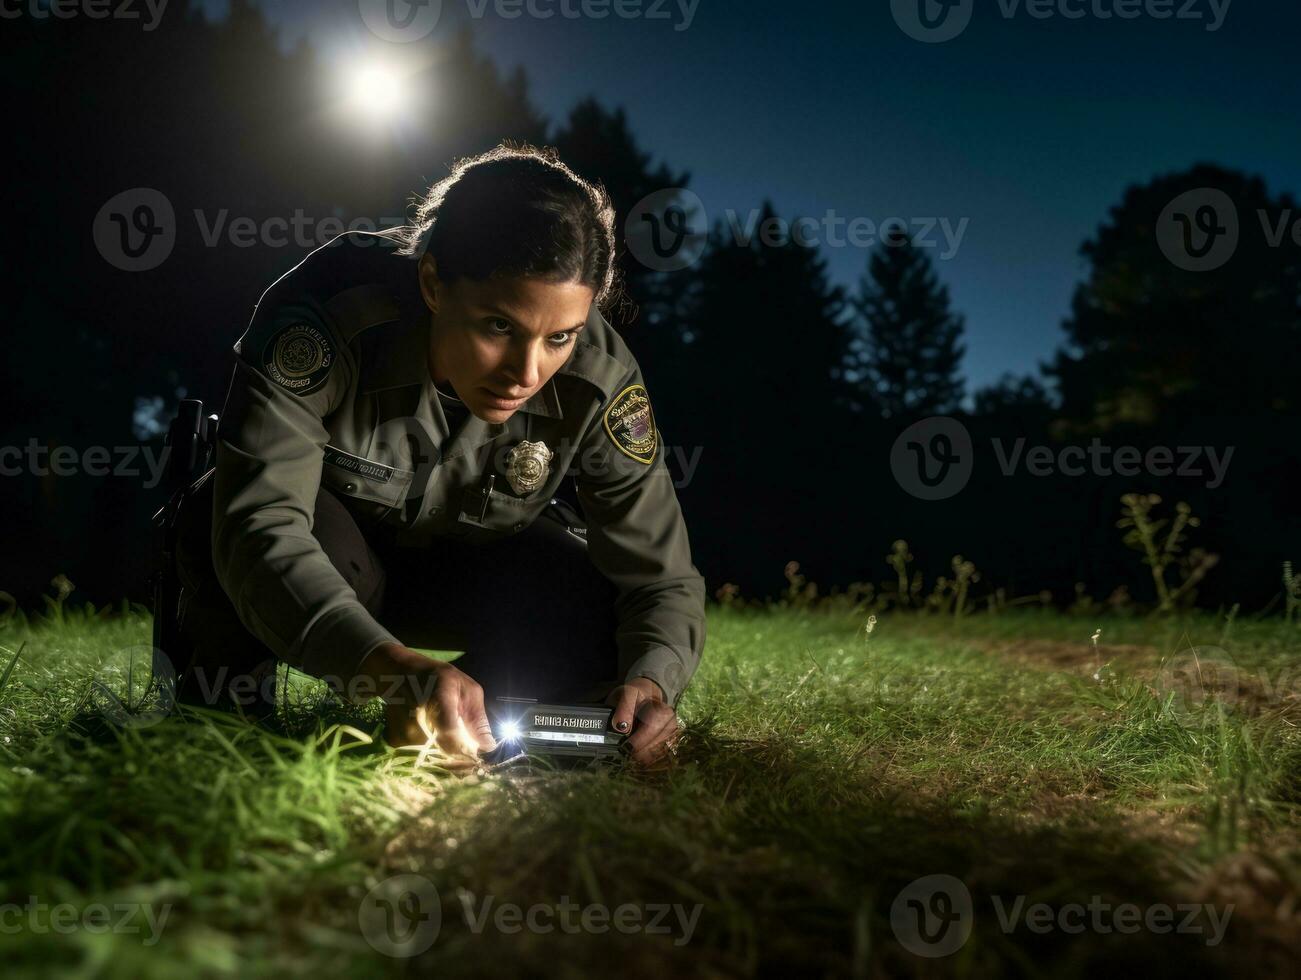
column 496, row 401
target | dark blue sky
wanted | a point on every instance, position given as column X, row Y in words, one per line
column 1029, row 128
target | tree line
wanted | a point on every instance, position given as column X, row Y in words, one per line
column 793, row 388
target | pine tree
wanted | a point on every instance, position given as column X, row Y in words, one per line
column 765, row 363
column 908, row 361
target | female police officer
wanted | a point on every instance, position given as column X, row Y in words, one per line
column 399, row 423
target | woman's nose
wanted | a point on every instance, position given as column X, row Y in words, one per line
column 523, row 367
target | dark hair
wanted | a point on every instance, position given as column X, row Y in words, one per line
column 516, row 210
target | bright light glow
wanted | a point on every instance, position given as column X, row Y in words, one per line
column 509, row 731
column 376, row 92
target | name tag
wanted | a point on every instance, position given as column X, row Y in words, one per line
column 355, row 464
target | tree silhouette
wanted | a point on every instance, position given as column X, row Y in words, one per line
column 908, row 360
column 598, row 144
column 766, row 369
column 1014, row 398
column 1149, row 338
column 215, row 116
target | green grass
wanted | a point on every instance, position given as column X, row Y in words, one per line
column 821, row 773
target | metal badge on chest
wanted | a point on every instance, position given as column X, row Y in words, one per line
column 528, row 466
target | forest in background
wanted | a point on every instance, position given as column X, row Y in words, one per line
column 793, row 390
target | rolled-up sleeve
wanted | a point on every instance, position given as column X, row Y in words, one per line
column 269, row 454
column 638, row 539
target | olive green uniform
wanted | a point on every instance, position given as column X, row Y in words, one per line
column 332, row 389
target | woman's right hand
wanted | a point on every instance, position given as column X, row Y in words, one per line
column 424, row 696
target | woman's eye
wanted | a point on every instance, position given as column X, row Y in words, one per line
column 499, row 327
column 562, row 339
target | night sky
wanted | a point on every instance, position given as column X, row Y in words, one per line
column 1029, row 128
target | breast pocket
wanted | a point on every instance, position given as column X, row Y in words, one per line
column 498, row 515
column 373, row 487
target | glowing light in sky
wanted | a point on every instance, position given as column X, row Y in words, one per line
column 376, row 92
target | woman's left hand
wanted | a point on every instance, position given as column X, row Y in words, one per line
column 641, row 713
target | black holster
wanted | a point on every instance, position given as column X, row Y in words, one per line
column 189, row 446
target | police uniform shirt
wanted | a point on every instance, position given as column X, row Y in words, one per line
column 331, row 388
column 454, row 409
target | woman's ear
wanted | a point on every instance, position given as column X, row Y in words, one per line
column 430, row 284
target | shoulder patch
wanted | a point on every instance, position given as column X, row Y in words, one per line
column 298, row 358
column 630, row 423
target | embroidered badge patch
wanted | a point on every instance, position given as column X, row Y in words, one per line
column 298, row 358
column 631, row 424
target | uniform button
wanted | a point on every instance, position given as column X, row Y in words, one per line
column 349, row 487
column 519, row 526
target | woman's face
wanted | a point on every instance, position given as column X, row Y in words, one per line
column 497, row 342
